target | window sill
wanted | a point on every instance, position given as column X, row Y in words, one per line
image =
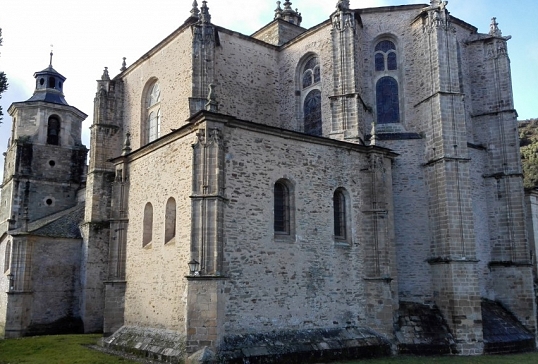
column 284, row 238
column 342, row 243
column 148, row 245
column 172, row 241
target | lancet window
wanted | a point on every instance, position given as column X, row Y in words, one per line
column 147, row 233
column 170, row 220
column 153, row 112
column 339, row 209
column 311, row 92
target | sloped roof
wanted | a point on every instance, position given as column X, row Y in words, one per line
column 64, row 224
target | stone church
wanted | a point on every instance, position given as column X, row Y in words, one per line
column 352, row 189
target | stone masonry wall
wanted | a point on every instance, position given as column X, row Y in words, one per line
column 156, row 288
column 481, row 194
column 170, row 64
column 55, row 286
column 386, row 23
column 32, row 120
column 308, row 279
column 411, row 220
column 290, row 99
column 246, row 76
column 278, row 32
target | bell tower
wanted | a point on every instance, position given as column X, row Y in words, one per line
column 44, row 164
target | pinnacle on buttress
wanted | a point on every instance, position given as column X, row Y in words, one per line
column 105, row 76
column 123, row 65
column 438, row 4
column 494, row 28
column 205, row 17
column 342, row 5
column 195, row 12
column 278, row 10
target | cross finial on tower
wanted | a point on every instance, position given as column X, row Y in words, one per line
column 51, row 54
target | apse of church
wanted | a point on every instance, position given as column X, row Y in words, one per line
column 315, row 184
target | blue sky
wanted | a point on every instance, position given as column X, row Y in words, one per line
column 89, row 34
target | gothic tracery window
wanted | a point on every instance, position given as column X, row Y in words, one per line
column 386, row 88
column 385, row 56
column 310, row 89
column 153, row 105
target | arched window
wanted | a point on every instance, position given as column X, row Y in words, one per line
column 7, row 256
column 282, row 213
column 385, row 56
column 311, row 72
column 312, row 113
column 387, row 101
column 340, row 218
column 52, row 82
column 170, row 220
column 153, row 112
column 147, row 225
column 386, row 88
column 310, row 90
column 53, row 131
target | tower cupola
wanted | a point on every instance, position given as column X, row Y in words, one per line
column 49, row 86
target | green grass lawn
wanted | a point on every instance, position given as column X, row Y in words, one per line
column 531, row 358
column 61, row 349
column 72, row 349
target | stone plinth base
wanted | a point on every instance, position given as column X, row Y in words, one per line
column 303, row 346
column 157, row 344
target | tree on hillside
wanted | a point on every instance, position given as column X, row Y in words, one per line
column 528, row 143
column 3, row 81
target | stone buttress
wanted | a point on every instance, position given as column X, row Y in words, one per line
column 203, row 318
column 380, row 275
column 347, row 105
column 453, row 261
column 106, row 140
column 511, row 261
